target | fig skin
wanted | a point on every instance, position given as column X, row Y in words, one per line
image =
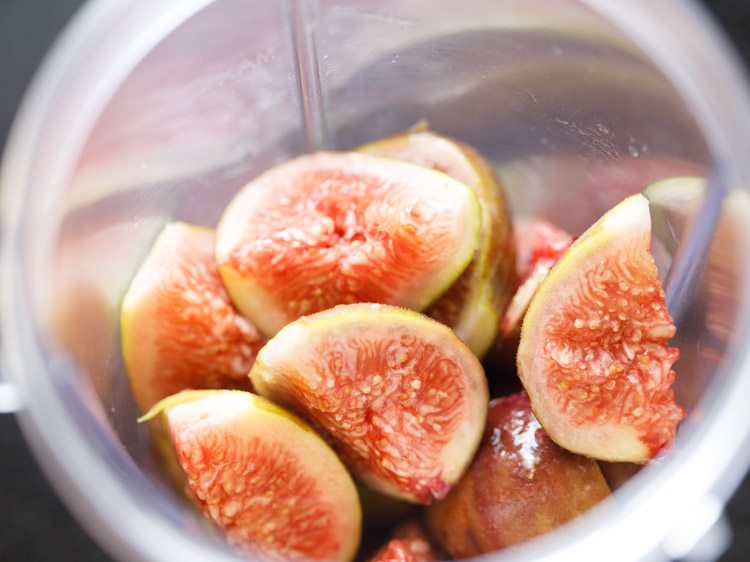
column 617, row 474
column 520, row 485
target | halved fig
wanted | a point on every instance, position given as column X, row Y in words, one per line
column 593, row 355
column 339, row 228
column 409, row 543
column 179, row 329
column 474, row 303
column 519, row 485
column 400, row 397
column 263, row 476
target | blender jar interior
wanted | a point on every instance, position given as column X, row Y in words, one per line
column 574, row 115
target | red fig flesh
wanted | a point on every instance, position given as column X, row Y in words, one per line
column 339, row 228
column 593, row 355
column 179, row 330
column 401, row 398
column 263, row 476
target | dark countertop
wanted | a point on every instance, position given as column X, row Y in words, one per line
column 34, row 525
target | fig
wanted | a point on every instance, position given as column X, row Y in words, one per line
column 263, row 476
column 340, row 228
column 593, row 354
column 540, row 244
column 474, row 303
column 179, row 329
column 400, row 397
column 409, row 543
column 617, row 474
column 520, row 485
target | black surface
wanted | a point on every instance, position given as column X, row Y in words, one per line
column 34, row 525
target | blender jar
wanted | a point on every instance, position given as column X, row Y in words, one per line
column 152, row 112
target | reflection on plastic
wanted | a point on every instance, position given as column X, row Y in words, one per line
column 702, row 536
column 10, row 398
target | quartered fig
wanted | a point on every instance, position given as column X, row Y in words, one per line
column 179, row 329
column 263, row 476
column 399, row 396
column 594, row 354
column 340, row 228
